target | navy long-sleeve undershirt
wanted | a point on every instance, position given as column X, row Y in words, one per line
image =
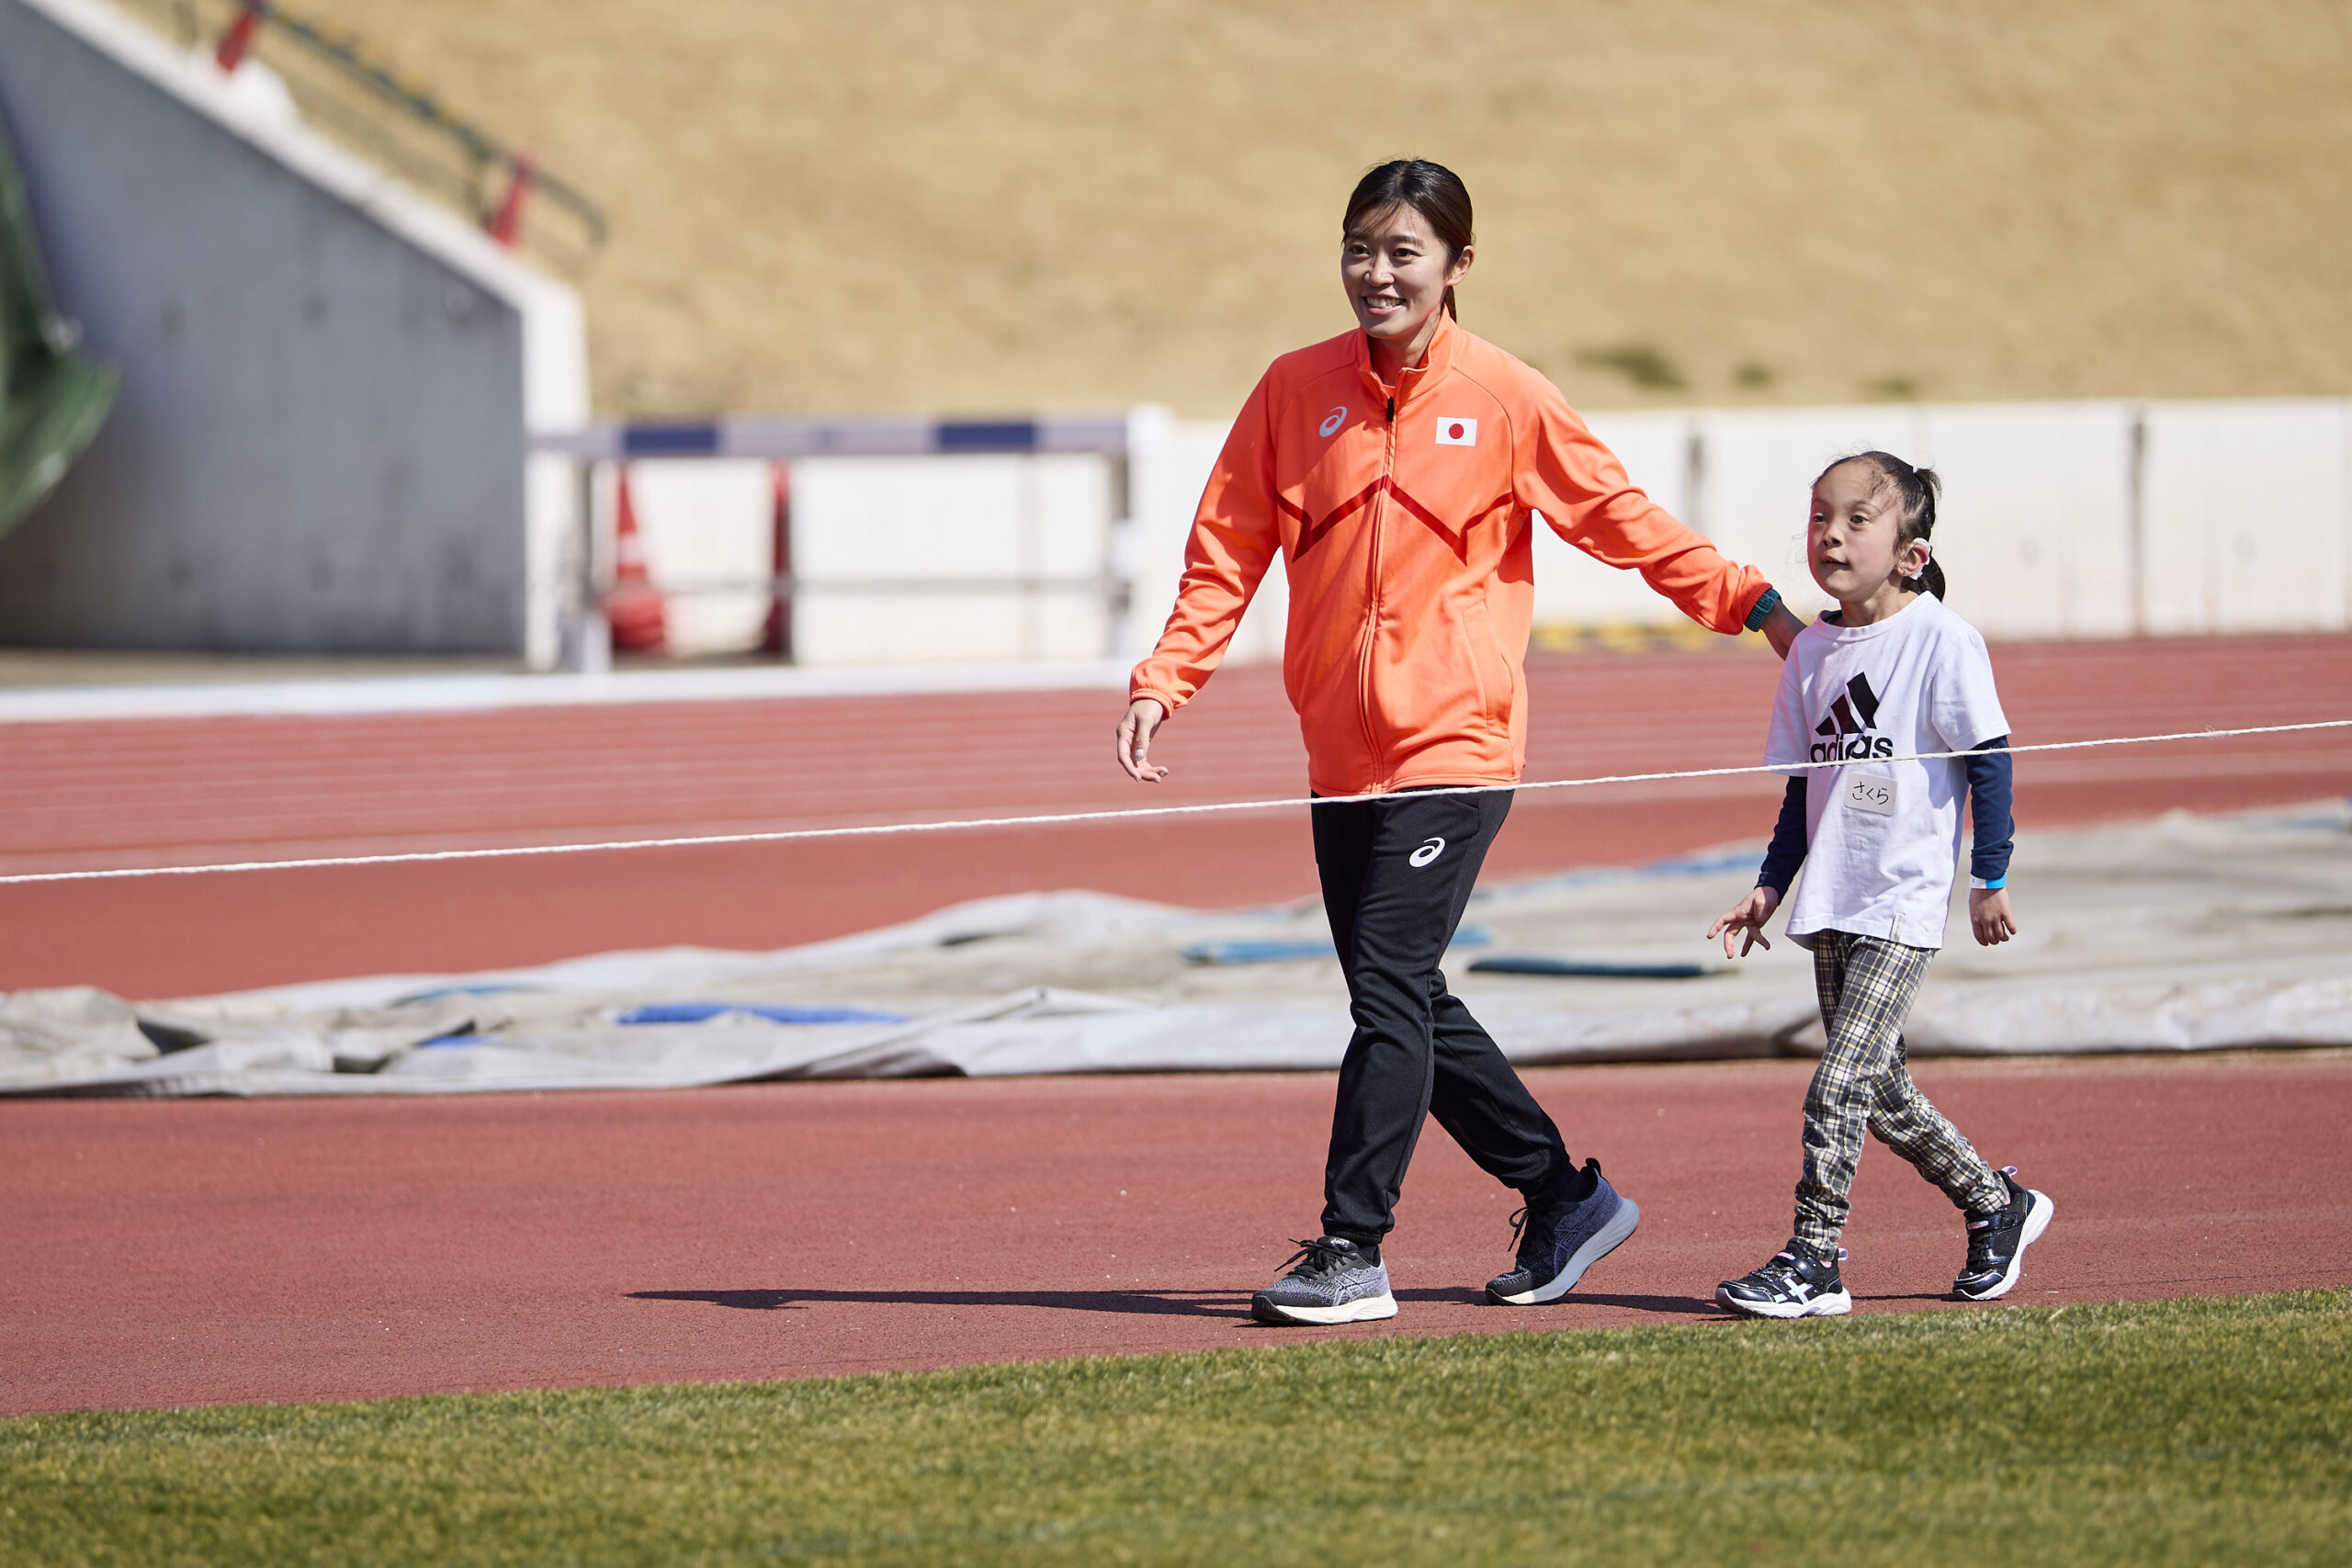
column 1991, row 829
column 1788, row 847
column 1988, row 811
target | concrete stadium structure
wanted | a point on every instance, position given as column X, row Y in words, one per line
column 329, row 384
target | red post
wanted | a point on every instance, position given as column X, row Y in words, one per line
column 238, row 37
column 777, row 637
column 506, row 225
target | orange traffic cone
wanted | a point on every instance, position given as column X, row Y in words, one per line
column 634, row 608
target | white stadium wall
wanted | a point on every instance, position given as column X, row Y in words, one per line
column 1011, row 561
column 2036, row 529
column 1170, row 460
column 705, row 521
column 2244, row 504
column 328, row 383
column 2060, row 520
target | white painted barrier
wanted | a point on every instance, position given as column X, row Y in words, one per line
column 2036, row 530
column 900, row 560
column 2060, row 520
column 702, row 521
column 2245, row 505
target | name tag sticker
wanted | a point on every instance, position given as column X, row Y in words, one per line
column 1875, row 795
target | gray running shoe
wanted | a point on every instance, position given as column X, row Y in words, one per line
column 1332, row 1284
column 1560, row 1238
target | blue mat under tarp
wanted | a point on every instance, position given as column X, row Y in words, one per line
column 703, row 1012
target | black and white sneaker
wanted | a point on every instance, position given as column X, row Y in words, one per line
column 1559, row 1237
column 1799, row 1282
column 1333, row 1283
column 1996, row 1242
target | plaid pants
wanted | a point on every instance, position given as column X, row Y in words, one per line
column 1867, row 986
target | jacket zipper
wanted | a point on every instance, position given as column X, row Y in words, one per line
column 1372, row 617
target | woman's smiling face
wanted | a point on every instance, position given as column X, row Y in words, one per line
column 1395, row 271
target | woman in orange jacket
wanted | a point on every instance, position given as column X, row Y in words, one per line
column 1399, row 468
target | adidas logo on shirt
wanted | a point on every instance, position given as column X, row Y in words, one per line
column 1847, row 727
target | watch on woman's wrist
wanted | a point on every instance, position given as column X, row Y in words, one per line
column 1761, row 611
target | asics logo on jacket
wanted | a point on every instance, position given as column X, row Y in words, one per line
column 1409, row 557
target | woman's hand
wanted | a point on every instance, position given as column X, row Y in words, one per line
column 1747, row 917
column 1780, row 628
column 1144, row 717
column 1989, row 916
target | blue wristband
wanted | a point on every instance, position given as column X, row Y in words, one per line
column 1985, row 886
column 1761, row 611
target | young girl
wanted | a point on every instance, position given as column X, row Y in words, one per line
column 1397, row 469
column 1889, row 674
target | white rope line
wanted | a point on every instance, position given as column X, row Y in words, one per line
column 881, row 829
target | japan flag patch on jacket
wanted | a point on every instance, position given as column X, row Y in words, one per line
column 1457, row 432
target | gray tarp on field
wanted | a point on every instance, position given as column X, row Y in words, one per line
column 2178, row 935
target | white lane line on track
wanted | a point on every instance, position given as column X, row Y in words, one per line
column 1059, row 818
column 375, row 695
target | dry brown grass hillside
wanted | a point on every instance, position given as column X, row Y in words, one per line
column 1038, row 204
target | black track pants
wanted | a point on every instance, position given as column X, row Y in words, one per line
column 1397, row 872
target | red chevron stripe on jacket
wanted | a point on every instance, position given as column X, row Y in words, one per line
column 1402, row 515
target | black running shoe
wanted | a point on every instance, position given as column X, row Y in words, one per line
column 1799, row 1282
column 1560, row 1238
column 1996, row 1242
column 1333, row 1283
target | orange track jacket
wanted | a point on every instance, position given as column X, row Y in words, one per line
column 1403, row 515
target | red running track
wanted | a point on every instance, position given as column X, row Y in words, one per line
column 146, row 792
column 200, row 1252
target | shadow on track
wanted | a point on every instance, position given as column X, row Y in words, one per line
column 1150, row 1303
column 1147, row 1304
column 1677, row 1306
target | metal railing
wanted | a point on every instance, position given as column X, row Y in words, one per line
column 344, row 86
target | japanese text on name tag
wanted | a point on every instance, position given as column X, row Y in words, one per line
column 1875, row 795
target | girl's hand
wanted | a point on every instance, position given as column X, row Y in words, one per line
column 1988, row 915
column 1144, row 716
column 1747, row 917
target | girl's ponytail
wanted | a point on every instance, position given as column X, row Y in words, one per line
column 1919, row 498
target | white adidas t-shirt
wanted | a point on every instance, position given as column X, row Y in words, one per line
column 1883, row 836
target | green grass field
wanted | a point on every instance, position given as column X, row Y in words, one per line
column 2207, row 1431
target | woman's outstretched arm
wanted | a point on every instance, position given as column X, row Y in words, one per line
column 1568, row 474
column 1235, row 534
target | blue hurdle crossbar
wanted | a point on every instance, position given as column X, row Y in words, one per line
column 778, row 436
